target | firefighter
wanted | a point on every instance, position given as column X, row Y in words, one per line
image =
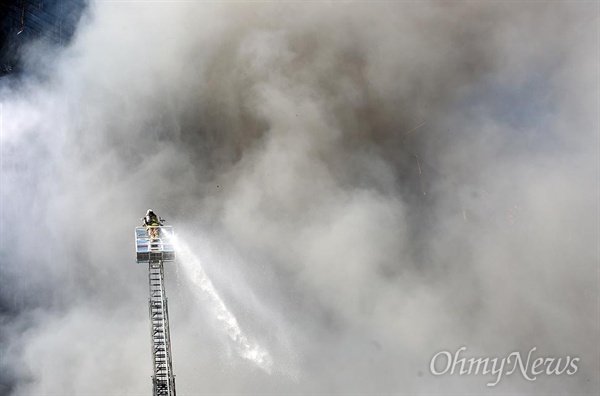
column 152, row 222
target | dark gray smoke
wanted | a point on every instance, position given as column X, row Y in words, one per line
column 365, row 184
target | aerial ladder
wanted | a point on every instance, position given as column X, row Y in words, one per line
column 155, row 252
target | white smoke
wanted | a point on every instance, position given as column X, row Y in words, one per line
column 352, row 247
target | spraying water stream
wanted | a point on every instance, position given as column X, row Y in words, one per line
column 244, row 346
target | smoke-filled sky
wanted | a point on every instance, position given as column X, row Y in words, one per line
column 356, row 186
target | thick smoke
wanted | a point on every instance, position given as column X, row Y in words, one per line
column 365, row 185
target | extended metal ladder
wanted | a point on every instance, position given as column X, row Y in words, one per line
column 163, row 380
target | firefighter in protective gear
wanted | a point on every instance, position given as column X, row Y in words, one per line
column 152, row 222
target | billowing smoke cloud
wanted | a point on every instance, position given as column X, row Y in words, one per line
column 364, row 184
